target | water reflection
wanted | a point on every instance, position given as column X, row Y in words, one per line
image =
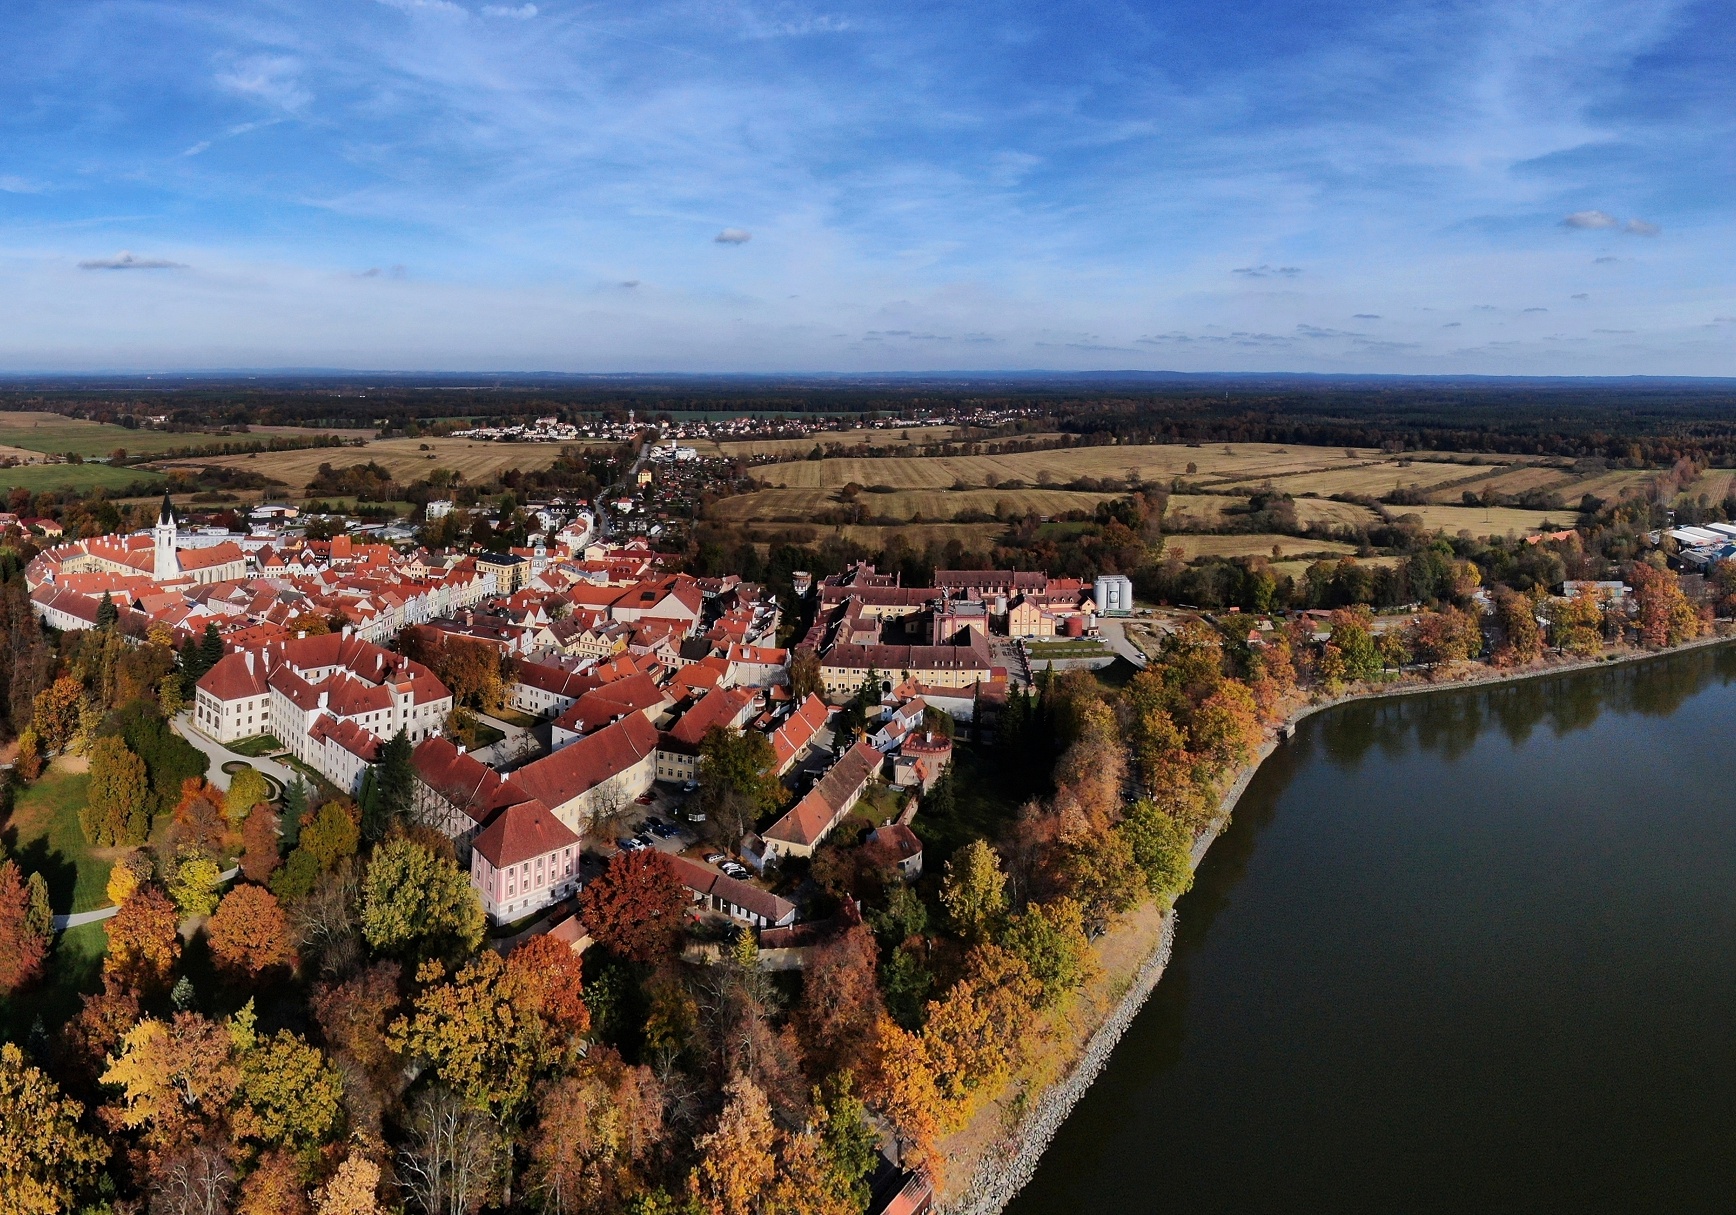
column 1399, row 984
column 1450, row 721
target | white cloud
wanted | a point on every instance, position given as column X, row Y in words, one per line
column 733, row 236
column 1591, row 219
column 126, row 261
column 1639, row 227
column 11, row 184
column 412, row 6
column 1265, row 271
column 201, row 146
column 523, row 12
column 273, row 79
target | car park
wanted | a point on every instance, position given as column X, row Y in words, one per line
column 665, row 830
column 715, row 858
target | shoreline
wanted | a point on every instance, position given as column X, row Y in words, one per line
column 996, row 1177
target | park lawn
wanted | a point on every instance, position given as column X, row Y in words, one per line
column 43, row 833
column 76, row 477
column 259, row 744
column 513, row 717
column 73, row 968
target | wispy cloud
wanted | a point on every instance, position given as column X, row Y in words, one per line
column 273, row 79
column 13, row 184
column 1639, row 227
column 1591, row 220
column 425, row 6
column 733, row 236
column 522, row 12
column 204, row 145
column 1265, row 271
column 126, row 261
column 1366, row 316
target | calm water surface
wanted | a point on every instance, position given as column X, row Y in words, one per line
column 1470, row 951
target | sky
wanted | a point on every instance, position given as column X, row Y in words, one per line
column 1436, row 187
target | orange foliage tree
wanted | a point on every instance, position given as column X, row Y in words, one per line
column 634, row 907
column 249, row 934
column 143, row 945
column 23, row 942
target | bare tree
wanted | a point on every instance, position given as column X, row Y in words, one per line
column 196, row 1182
column 450, row 1163
column 610, row 807
column 325, row 920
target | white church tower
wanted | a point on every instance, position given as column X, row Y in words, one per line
column 167, row 564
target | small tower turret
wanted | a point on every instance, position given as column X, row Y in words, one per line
column 166, row 564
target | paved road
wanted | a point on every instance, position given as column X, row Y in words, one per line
column 220, row 755
column 78, row 918
column 1115, row 633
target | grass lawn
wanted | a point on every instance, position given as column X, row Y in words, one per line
column 77, row 477
column 320, row 790
column 259, row 744
column 1066, row 649
column 513, row 717
column 57, row 434
column 44, row 835
column 485, row 736
column 74, row 967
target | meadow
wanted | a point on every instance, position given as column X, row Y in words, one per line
column 54, row 434
column 75, row 478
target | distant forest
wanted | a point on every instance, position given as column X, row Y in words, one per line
column 1636, row 422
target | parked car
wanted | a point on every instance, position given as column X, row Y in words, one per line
column 734, row 870
column 665, row 830
column 628, row 844
column 715, row 858
column 691, row 786
column 644, row 799
column 694, row 816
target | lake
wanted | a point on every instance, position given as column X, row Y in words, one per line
column 1467, row 951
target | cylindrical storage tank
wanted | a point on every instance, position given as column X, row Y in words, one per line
column 1075, row 626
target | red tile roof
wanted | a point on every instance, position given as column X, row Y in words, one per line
column 709, row 882
column 611, row 702
column 462, row 780
column 812, row 818
column 520, row 832
column 574, row 770
column 718, row 707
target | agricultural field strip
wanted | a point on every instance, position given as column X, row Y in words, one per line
column 403, row 458
column 801, row 503
column 55, row 434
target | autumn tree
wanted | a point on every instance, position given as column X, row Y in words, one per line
column 738, row 779
column 1521, row 641
column 276, row 1186
column 1162, row 847
column 332, row 835
column 596, row 1131
column 288, row 1095
column 1226, row 728
column 1666, row 618
column 23, row 941
column 977, row 1033
column 1050, row 940
column 143, row 944
column 901, row 1087
column 634, row 907
column 353, row 1015
column 549, row 979
column 259, row 856
column 1447, row 636
column 736, row 1163
column 193, row 885
column 247, row 789
column 47, row 1161
column 198, row 819
column 175, row 1077
column 115, row 813
column 249, row 934
column 973, row 890
column 55, row 715
column 352, row 1190
column 840, row 999
column 414, row 902
column 127, row 874
column 804, row 675
column 1576, row 622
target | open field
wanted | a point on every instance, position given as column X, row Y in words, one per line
column 80, row 478
column 1211, row 510
column 1370, row 480
column 1610, row 485
column 801, row 504
column 1255, row 544
column 406, row 459
column 1487, row 521
column 50, row 432
column 1715, row 484
column 908, row 437
column 1244, row 462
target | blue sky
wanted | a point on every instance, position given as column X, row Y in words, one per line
column 1500, row 188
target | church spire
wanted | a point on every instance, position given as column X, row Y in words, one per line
column 166, row 515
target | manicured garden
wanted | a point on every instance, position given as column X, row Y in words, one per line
column 259, row 744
